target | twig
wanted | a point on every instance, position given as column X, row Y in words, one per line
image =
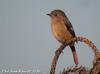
column 60, row 49
column 55, row 58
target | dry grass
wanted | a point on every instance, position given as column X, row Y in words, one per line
column 81, row 69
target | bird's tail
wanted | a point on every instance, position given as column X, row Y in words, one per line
column 74, row 54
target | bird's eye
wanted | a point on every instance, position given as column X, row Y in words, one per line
column 56, row 14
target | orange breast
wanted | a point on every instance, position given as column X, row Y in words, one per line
column 60, row 32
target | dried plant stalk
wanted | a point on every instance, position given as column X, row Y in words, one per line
column 76, row 70
column 60, row 49
column 55, row 58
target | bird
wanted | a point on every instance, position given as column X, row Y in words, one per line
column 62, row 30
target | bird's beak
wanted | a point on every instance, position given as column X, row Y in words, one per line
column 48, row 14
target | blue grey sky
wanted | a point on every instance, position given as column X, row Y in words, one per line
column 26, row 40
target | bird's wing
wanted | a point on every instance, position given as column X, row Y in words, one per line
column 70, row 28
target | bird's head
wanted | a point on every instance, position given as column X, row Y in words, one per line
column 57, row 14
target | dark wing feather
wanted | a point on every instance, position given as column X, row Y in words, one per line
column 69, row 27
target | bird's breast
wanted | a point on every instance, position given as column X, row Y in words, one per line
column 61, row 32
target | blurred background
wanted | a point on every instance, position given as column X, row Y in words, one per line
column 26, row 40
